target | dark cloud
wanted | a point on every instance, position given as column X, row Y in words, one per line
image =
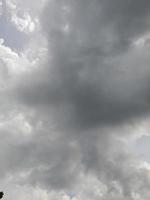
column 89, row 75
column 94, row 83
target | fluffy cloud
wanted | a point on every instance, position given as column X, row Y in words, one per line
column 75, row 100
column 93, row 68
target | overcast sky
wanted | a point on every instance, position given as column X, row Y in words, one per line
column 75, row 99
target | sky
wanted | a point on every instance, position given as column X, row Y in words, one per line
column 75, row 99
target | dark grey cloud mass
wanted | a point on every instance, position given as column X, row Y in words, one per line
column 94, row 83
column 88, row 74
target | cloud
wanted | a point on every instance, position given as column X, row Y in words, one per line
column 18, row 23
column 93, row 69
column 75, row 96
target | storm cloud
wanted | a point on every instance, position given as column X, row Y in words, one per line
column 94, row 74
column 79, row 102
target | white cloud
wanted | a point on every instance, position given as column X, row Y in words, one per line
column 24, row 24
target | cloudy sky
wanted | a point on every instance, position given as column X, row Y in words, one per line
column 75, row 99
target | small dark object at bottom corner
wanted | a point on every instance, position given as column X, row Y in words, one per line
column 1, row 195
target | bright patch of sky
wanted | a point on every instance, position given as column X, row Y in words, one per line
column 16, row 25
column 142, row 148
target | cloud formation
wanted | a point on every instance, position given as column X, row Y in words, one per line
column 93, row 68
column 81, row 95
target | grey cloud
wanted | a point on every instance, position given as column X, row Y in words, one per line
column 94, row 78
column 88, row 75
